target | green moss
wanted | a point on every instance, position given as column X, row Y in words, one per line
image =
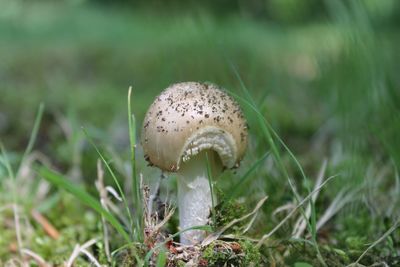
column 227, row 211
column 356, row 242
column 251, row 254
column 294, row 251
column 213, row 256
column 180, row 263
column 220, row 253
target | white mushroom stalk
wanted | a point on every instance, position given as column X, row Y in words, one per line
column 185, row 121
column 194, row 197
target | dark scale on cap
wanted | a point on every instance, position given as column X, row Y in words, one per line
column 242, row 136
column 186, row 108
column 147, row 158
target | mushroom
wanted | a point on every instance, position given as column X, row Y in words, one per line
column 186, row 121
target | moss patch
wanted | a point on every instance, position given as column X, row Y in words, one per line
column 221, row 253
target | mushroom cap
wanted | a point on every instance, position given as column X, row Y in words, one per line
column 189, row 117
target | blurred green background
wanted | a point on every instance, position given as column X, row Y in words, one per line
column 313, row 66
column 325, row 74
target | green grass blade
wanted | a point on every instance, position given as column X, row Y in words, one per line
column 267, row 129
column 132, row 245
column 380, row 239
column 11, row 174
column 210, row 183
column 161, row 259
column 135, row 182
column 7, row 165
column 34, row 132
column 63, row 183
column 249, row 102
column 311, row 225
column 234, row 190
column 242, row 85
column 302, row 264
column 120, row 191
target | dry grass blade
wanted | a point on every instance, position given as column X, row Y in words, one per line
column 103, row 200
column 248, row 226
column 15, row 263
column 114, row 193
column 339, row 202
column 39, row 260
column 168, row 216
column 152, row 217
column 79, row 249
column 91, row 257
column 383, row 237
column 285, row 207
column 235, row 237
column 7, row 165
column 214, row 236
column 266, row 236
column 17, row 228
column 301, row 223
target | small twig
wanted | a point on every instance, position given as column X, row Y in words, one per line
column 47, row 226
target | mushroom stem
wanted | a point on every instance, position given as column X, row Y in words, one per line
column 194, row 197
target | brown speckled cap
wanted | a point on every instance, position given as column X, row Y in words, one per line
column 189, row 117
